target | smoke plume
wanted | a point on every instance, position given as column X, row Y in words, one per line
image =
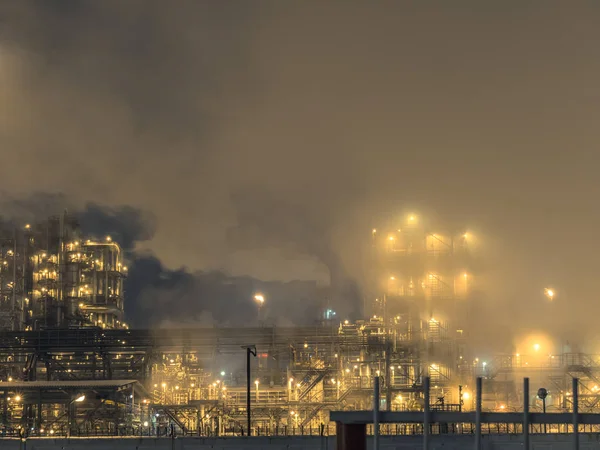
column 266, row 139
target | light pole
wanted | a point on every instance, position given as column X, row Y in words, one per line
column 250, row 350
column 542, row 394
column 78, row 399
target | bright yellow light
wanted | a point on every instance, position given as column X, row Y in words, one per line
column 346, row 322
column 466, row 396
column 17, row 398
column 374, row 230
column 392, row 278
column 465, row 275
column 256, row 382
column 536, row 347
column 549, row 293
column 27, row 226
column 108, row 239
column 305, row 345
column 391, row 238
column 412, row 218
column 502, row 406
column 80, row 398
column 164, row 384
column 466, row 235
column 259, row 298
column 432, row 320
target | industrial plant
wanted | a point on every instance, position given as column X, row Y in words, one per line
column 70, row 365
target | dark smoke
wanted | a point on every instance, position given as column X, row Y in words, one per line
column 125, row 224
column 328, row 112
column 158, row 297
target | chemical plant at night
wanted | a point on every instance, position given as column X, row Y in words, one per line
column 69, row 365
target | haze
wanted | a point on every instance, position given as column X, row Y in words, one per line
column 267, row 138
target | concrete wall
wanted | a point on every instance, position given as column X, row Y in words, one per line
column 446, row 442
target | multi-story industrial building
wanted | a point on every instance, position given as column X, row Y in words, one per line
column 53, row 276
column 64, row 370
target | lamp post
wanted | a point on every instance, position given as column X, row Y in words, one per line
column 78, row 399
column 542, row 394
column 250, row 350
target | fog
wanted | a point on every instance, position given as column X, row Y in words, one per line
column 265, row 139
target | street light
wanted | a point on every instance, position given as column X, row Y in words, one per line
column 550, row 293
column 250, row 350
column 542, row 394
column 70, row 412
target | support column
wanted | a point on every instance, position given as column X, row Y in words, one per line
column 426, row 404
column 526, row 413
column 376, row 413
column 575, row 413
column 478, row 414
column 351, row 436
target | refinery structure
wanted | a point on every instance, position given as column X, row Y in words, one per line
column 69, row 364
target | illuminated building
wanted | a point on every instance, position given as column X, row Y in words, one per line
column 194, row 379
column 53, row 276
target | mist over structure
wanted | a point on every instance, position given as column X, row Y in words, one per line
column 323, row 126
column 238, row 149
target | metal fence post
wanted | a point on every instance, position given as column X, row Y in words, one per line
column 478, row 414
column 575, row 413
column 526, row 413
column 376, row 413
column 426, row 387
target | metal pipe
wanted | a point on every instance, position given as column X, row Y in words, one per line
column 248, row 388
column 16, row 325
column 526, row 413
column 575, row 413
column 376, row 413
column 478, row 415
column 250, row 350
column 426, row 384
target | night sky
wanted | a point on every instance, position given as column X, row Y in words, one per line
column 265, row 139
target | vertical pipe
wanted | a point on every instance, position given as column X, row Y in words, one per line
column 575, row 414
column 426, row 402
column 388, row 377
column 248, row 388
column 526, row 413
column 376, row 413
column 16, row 325
column 478, row 415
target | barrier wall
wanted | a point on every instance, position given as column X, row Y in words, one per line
column 438, row 442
